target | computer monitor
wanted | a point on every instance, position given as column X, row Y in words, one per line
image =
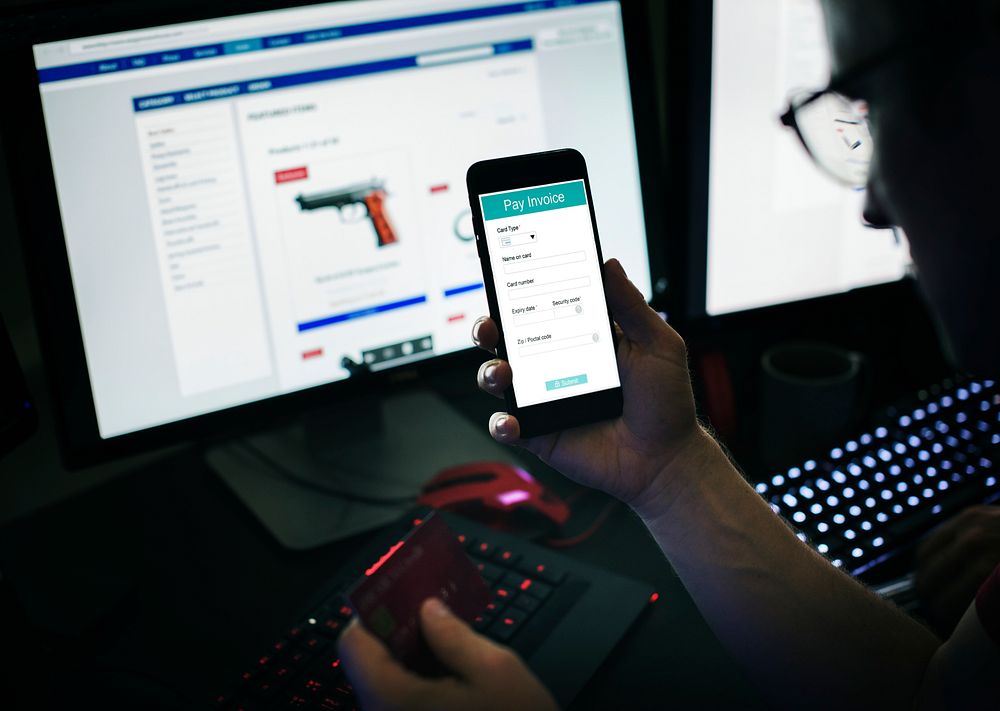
column 769, row 227
column 254, row 207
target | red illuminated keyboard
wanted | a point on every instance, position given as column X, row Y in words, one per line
column 563, row 617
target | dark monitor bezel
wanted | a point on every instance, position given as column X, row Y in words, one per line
column 690, row 41
column 45, row 252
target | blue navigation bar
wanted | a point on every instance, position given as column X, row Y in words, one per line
column 361, row 313
column 247, row 45
column 256, row 86
column 463, row 289
column 257, row 44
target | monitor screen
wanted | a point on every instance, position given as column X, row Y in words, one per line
column 779, row 230
column 247, row 201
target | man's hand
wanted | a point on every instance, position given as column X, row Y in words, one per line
column 485, row 675
column 954, row 561
column 627, row 457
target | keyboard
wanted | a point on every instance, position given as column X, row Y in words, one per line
column 561, row 616
column 875, row 495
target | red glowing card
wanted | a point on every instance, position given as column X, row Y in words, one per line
column 428, row 562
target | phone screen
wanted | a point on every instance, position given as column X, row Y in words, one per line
column 543, row 252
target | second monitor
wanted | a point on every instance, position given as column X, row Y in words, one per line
column 768, row 227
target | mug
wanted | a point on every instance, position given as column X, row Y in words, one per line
column 810, row 395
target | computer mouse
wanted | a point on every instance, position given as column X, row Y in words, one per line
column 500, row 494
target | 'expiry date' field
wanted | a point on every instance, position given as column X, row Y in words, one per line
column 542, row 315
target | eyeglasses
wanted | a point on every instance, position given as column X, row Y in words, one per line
column 834, row 130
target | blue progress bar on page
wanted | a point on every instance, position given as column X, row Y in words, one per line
column 360, row 313
column 463, row 289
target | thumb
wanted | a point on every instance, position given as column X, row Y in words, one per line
column 453, row 642
column 628, row 306
column 376, row 675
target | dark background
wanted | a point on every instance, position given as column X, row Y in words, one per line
column 145, row 581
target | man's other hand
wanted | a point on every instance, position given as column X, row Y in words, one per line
column 954, row 561
column 484, row 675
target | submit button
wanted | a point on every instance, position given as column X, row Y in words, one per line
column 560, row 383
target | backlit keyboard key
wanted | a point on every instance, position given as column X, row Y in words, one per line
column 526, row 603
column 550, row 575
column 507, row 625
column 506, row 557
column 490, row 572
column 312, row 642
column 331, row 627
column 513, row 580
column 481, row 622
column 538, row 590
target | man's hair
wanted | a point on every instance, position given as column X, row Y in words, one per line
column 905, row 17
column 862, row 28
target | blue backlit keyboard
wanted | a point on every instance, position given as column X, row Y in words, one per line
column 874, row 496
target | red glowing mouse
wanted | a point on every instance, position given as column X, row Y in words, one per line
column 496, row 489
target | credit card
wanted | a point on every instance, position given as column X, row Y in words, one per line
column 428, row 562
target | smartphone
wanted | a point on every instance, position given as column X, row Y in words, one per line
column 536, row 233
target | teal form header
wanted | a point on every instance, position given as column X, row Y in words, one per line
column 524, row 202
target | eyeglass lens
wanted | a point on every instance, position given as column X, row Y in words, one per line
column 835, row 129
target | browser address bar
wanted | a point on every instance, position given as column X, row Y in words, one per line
column 128, row 41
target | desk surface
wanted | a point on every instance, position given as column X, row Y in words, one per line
column 162, row 573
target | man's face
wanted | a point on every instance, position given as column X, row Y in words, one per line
column 936, row 168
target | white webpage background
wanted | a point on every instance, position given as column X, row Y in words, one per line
column 326, row 267
column 208, row 268
column 779, row 229
column 580, row 343
column 111, row 231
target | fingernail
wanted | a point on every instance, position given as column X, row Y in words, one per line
column 352, row 623
column 620, row 267
column 436, row 608
column 475, row 328
column 490, row 375
column 501, row 425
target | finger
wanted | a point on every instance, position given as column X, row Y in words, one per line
column 950, row 603
column 485, row 334
column 629, row 308
column 934, row 572
column 942, row 536
column 495, row 376
column 453, row 642
column 505, row 428
column 938, row 570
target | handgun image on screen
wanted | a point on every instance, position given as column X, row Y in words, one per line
column 371, row 195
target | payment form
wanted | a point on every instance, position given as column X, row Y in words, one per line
column 553, row 312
